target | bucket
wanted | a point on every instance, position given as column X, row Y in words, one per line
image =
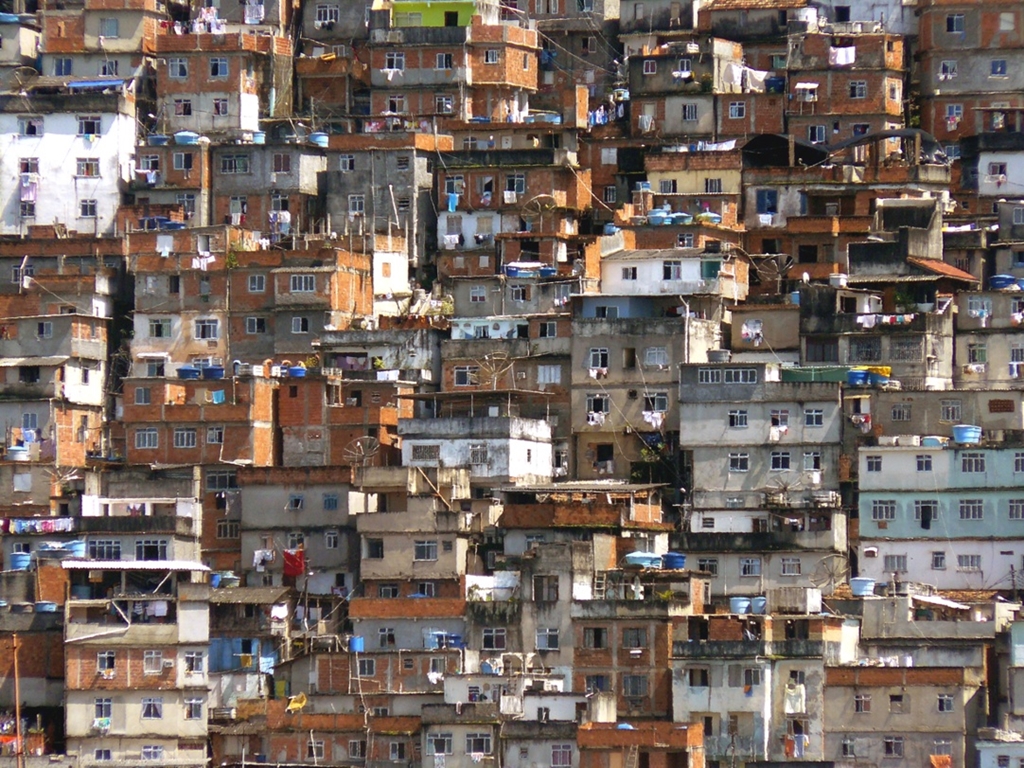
column 46, row 606
column 81, row 592
column 215, row 580
column 794, row 298
column 20, row 561
column 75, row 548
column 356, row 644
column 739, row 605
column 862, row 587
column 857, row 378
column 758, row 604
column 967, row 434
column 319, row 139
column 673, row 561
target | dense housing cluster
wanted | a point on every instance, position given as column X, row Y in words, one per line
column 551, row 384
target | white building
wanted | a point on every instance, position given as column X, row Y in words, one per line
column 64, row 152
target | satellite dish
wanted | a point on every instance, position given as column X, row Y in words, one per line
column 537, row 206
column 360, row 451
column 831, row 571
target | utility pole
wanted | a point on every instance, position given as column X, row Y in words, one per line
column 19, row 747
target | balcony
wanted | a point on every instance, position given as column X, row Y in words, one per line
column 776, row 541
column 720, row 649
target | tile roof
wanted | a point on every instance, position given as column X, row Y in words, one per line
column 942, row 268
column 752, row 5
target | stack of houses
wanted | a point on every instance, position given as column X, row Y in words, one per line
column 576, row 384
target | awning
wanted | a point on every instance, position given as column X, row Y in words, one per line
column 132, row 565
column 807, row 86
column 152, row 355
column 15, row 362
column 935, row 600
column 89, row 84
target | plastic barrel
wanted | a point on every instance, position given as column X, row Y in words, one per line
column 758, row 604
column 857, row 378
column 965, row 433
column 213, row 372
column 739, row 604
column 20, row 561
column 862, row 587
column 673, row 561
column 356, row 644
column 1000, row 282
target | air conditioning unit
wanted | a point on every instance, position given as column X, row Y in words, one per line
column 168, row 663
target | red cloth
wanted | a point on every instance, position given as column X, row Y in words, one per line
column 294, row 562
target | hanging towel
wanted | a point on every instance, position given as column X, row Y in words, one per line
column 842, row 57
column 755, row 80
column 453, row 202
column 218, row 397
column 294, row 562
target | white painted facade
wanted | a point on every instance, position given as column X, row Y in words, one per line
column 999, row 173
column 997, row 558
column 61, row 194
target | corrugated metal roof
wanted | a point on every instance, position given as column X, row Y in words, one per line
column 132, row 565
column 14, row 362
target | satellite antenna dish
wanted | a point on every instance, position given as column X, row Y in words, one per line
column 829, row 572
column 360, row 451
column 537, row 206
column 493, row 367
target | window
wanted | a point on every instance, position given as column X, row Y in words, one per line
column 926, row 509
column 708, row 565
column 737, row 110
column 780, row 461
column 439, row 744
column 425, row 550
column 444, row 105
column 218, row 67
column 30, row 126
column 816, row 134
column 598, row 357
column 215, row 435
column 892, row 747
column 183, row 107
column 519, row 293
column 255, row 325
column 634, row 638
column 27, row 209
column 356, row 204
column 357, row 749
column 814, row 417
column 151, row 549
column 874, row 463
column 972, row 462
column 547, row 639
column 160, row 328
column 750, row 566
column 152, row 752
column 738, row 419
column 300, row 325
column 656, row 402
column 494, row 638
column 367, row 667
column 515, row 182
column 44, row 330
column 152, row 708
column 942, row 747
column 812, row 461
column 780, row 418
column 394, row 60
column 177, row 68
column 635, row 686
column 193, row 709
column 671, row 270
column 667, row 186
column 883, row 509
column 184, row 437
column 561, row 755
column 221, row 481
column 595, row 637
column 895, row 563
column 656, row 356
column 955, row 22
column 491, row 56
column 101, row 755
column 105, row 661
column 862, row 703
column 228, row 529
column 466, row 375
column 950, row 410
column 207, row 328
column 938, row 561
column 947, row 70
column 739, row 462
column 87, row 209
column 650, row 67
column 698, row 677
column 89, row 167
column 257, row 283
column 712, row 186
column 767, row 201
column 901, row 412
column 234, row 164
column 146, row 437
column 690, row 112
column 847, row 747
column 104, row 549
column 791, row 566
column 968, row 563
column 194, row 663
column 302, row 283
column 102, row 707
column 997, row 68
column 858, row 89
column 945, row 702
column 443, row 61
column 478, row 743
